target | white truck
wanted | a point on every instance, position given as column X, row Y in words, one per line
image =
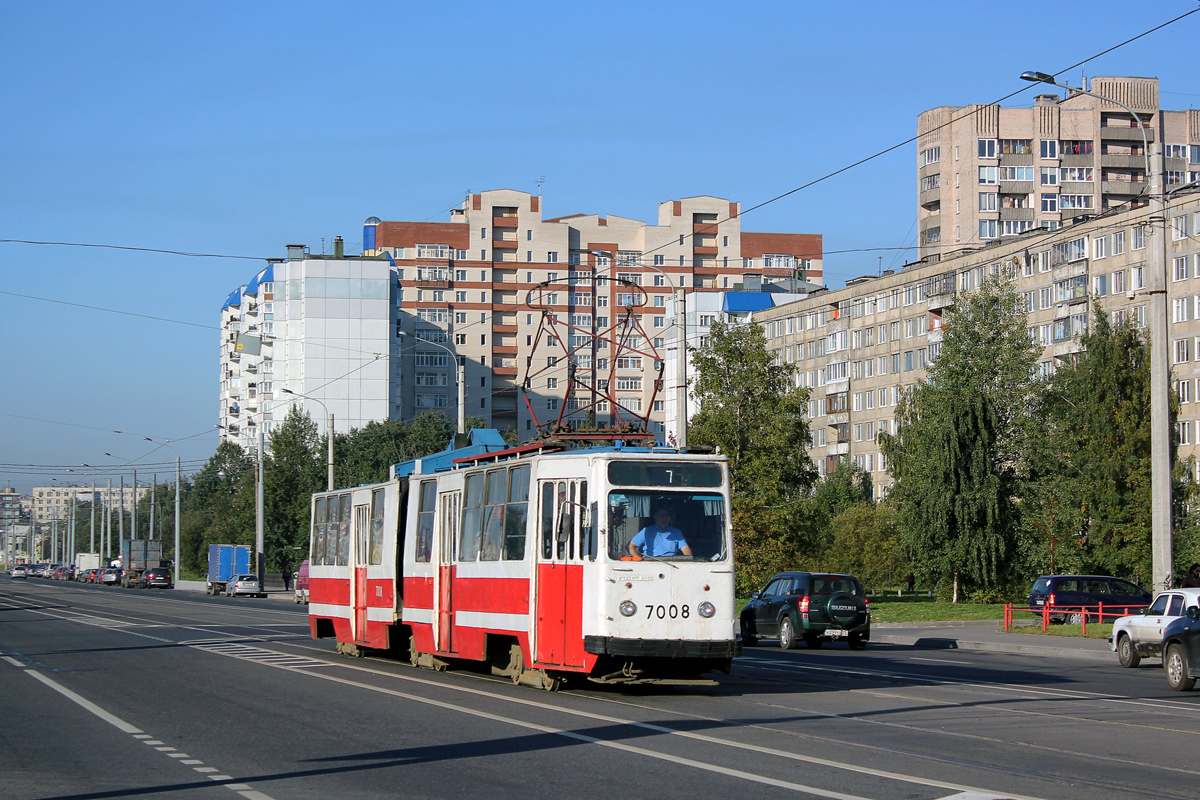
column 1139, row 636
column 86, row 561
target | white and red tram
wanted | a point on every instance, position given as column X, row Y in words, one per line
column 520, row 558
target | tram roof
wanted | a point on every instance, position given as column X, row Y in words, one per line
column 486, row 444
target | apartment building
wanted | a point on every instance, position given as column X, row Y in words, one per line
column 49, row 503
column 859, row 348
column 986, row 172
column 315, row 330
column 377, row 336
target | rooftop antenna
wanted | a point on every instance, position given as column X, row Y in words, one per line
column 541, row 179
column 881, row 265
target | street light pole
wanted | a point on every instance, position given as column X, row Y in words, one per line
column 178, row 559
column 329, row 431
column 460, row 377
column 259, row 545
column 1160, row 370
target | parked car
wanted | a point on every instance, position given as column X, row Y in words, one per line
column 244, row 584
column 111, row 577
column 18, row 571
column 1072, row 593
column 814, row 607
column 1181, row 650
column 301, row 591
column 1139, row 636
column 156, row 577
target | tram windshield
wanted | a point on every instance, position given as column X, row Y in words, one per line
column 666, row 525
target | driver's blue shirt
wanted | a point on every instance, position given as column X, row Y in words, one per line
column 655, row 541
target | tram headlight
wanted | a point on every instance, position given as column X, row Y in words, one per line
column 707, row 609
column 628, row 608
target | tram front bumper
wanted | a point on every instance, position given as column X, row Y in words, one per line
column 661, row 648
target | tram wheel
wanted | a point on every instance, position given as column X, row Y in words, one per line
column 516, row 663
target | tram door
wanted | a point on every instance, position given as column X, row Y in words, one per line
column 447, row 537
column 559, row 634
column 362, row 529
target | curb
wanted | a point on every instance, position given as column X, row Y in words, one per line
column 951, row 643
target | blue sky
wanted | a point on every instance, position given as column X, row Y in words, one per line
column 236, row 128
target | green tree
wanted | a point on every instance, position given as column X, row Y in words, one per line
column 959, row 450
column 751, row 409
column 1095, row 485
column 295, row 468
column 220, row 508
column 866, row 543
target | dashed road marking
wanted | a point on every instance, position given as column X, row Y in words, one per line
column 138, row 735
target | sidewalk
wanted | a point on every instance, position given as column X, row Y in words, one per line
column 986, row 636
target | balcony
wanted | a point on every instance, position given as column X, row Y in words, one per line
column 702, row 250
column 1126, row 188
column 498, row 328
column 1126, row 134
column 505, row 222
column 1123, row 161
column 500, row 244
column 1016, row 187
column 1016, row 213
column 1081, row 160
column 704, row 227
column 930, row 196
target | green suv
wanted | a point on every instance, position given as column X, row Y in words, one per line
column 811, row 606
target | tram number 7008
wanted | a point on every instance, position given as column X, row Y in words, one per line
column 665, row 612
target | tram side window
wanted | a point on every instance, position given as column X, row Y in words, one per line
column 515, row 519
column 428, row 501
column 493, row 515
column 472, row 525
column 317, row 551
column 547, row 519
column 343, row 536
column 377, row 508
column 587, row 530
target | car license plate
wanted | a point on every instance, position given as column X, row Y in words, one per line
column 838, row 634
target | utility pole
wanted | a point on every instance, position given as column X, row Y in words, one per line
column 259, row 545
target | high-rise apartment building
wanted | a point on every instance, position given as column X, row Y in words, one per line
column 321, row 326
column 859, row 348
column 986, row 172
column 389, row 325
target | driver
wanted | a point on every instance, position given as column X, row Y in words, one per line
column 659, row 539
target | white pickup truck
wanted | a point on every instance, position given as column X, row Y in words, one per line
column 1139, row 636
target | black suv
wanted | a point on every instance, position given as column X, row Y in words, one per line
column 156, row 576
column 1072, row 593
column 810, row 606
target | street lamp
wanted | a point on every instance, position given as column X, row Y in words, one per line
column 166, row 444
column 328, row 414
column 1160, row 420
column 121, row 513
column 681, row 420
column 460, row 377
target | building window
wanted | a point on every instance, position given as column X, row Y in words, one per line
column 988, row 201
column 930, row 155
column 1185, row 432
column 1118, row 243
column 1139, row 237
column 1049, row 148
column 1183, row 351
column 1076, row 202
column 987, row 229
column 1050, row 203
column 1183, row 390
column 1100, row 247
column 988, row 175
column 1182, row 268
column 987, row 148
column 1049, row 176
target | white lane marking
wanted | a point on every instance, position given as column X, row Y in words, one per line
column 974, row 796
column 13, row 661
column 123, row 726
column 942, row 661
column 115, row 721
column 642, row 725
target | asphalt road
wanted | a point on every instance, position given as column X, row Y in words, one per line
column 125, row 693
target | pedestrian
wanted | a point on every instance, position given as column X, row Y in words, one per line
column 287, row 579
column 910, row 583
column 1192, row 579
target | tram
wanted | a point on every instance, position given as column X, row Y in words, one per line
column 519, row 559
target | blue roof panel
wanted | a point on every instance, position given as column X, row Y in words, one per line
column 736, row 302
